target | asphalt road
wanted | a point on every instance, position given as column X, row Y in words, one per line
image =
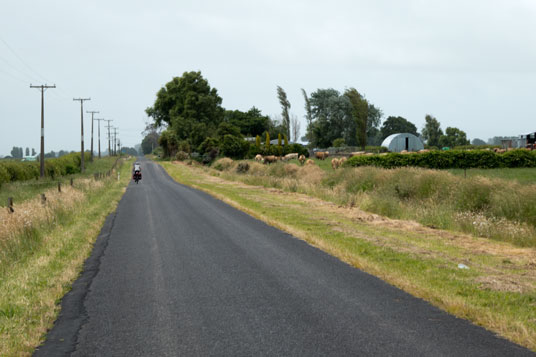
column 177, row 272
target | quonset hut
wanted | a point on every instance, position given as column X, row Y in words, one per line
column 403, row 141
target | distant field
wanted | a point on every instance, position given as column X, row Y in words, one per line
column 23, row 190
column 522, row 175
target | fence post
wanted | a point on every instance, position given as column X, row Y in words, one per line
column 59, row 186
column 10, row 205
column 43, row 199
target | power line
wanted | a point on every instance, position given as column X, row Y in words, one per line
column 14, row 77
column 29, row 78
column 22, row 61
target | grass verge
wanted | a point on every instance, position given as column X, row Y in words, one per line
column 498, row 291
column 24, row 190
column 41, row 259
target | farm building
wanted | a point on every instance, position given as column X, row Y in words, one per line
column 403, row 141
column 530, row 139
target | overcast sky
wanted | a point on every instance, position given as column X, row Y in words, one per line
column 470, row 63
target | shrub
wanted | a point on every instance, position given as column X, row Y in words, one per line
column 338, row 143
column 242, row 167
column 4, row 175
column 234, row 146
column 297, row 148
column 208, row 144
column 449, row 159
column 223, row 164
column 181, row 156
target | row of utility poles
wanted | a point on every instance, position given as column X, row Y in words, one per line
column 114, row 144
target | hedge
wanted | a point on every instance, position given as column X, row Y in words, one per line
column 11, row 171
column 449, row 159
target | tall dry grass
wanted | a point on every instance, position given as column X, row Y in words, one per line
column 19, row 231
column 493, row 208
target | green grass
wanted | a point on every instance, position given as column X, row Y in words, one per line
column 415, row 258
column 521, row 175
column 24, row 190
column 39, row 265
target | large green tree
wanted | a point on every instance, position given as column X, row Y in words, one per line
column 250, row 123
column 393, row 125
column 332, row 119
column 432, row 130
column 453, row 137
column 189, row 107
column 359, row 112
column 149, row 142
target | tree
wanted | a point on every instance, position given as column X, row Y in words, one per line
column 189, row 107
column 168, row 142
column 374, row 117
column 308, row 112
column 478, row 142
column 393, row 125
column 62, row 153
column 359, row 113
column 250, row 123
column 33, row 152
column 454, row 137
column 432, row 131
column 331, row 119
column 337, row 143
column 27, row 151
column 49, row 155
column 150, row 142
column 296, row 126
column 129, row 151
column 227, row 129
column 285, row 106
column 258, row 142
column 267, row 143
column 234, row 147
column 16, row 152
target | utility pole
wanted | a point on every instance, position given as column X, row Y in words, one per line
column 99, row 120
column 109, row 126
column 119, row 146
column 115, row 141
column 42, row 156
column 92, row 112
column 82, row 168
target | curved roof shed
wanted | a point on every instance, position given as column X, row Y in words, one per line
column 403, row 141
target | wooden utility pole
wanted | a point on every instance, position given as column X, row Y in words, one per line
column 43, row 88
column 115, row 141
column 99, row 120
column 82, row 167
column 92, row 112
column 109, row 126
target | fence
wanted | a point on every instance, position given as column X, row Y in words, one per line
column 97, row 176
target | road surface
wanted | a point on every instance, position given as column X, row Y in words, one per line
column 177, row 272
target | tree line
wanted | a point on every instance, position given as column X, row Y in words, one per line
column 188, row 117
column 19, row 152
